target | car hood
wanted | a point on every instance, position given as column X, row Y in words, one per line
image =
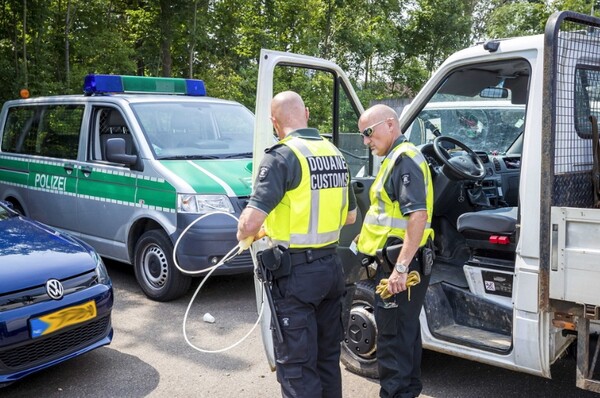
column 31, row 253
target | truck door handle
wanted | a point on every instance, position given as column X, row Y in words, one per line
column 86, row 170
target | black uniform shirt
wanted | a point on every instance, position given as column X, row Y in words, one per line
column 280, row 171
column 406, row 183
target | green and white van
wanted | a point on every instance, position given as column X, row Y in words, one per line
column 127, row 166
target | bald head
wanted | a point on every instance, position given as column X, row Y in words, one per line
column 376, row 113
column 288, row 113
column 385, row 129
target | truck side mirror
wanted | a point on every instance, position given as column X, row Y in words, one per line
column 115, row 152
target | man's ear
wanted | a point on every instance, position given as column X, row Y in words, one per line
column 307, row 113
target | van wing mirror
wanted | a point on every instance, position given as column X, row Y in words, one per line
column 115, row 152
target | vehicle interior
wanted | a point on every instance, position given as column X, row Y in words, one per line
column 474, row 156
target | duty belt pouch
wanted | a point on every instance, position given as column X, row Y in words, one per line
column 277, row 261
column 427, row 257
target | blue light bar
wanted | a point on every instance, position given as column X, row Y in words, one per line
column 103, row 84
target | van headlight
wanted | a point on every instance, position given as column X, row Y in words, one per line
column 101, row 272
column 201, row 204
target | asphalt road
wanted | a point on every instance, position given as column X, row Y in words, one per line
column 150, row 358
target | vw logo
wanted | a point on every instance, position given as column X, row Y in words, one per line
column 55, row 289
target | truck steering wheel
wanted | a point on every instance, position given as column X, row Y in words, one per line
column 463, row 167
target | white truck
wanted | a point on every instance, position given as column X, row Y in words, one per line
column 516, row 279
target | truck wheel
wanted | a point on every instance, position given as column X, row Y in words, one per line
column 360, row 343
column 155, row 272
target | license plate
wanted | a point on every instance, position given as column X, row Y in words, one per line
column 50, row 323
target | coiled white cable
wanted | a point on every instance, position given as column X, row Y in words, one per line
column 232, row 253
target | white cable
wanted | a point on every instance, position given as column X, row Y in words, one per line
column 222, row 349
column 232, row 253
column 225, row 258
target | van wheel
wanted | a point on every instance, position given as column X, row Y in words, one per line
column 16, row 206
column 359, row 347
column 154, row 269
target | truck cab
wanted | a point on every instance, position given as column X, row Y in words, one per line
column 505, row 127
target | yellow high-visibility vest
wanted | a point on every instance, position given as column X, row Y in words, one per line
column 312, row 214
column 384, row 218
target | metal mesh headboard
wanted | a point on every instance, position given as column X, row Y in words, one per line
column 575, row 95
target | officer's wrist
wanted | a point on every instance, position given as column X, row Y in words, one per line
column 401, row 267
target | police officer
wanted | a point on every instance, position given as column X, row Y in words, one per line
column 401, row 208
column 302, row 193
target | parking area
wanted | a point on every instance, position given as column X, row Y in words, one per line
column 150, row 358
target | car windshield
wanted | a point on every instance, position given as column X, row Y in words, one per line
column 480, row 105
column 186, row 130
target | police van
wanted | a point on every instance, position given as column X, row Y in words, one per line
column 128, row 166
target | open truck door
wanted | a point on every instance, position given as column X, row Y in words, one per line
column 334, row 110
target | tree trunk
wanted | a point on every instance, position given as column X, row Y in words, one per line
column 166, row 16
column 25, row 74
column 67, row 43
column 192, row 45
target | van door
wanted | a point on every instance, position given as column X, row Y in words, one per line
column 106, row 191
column 334, row 111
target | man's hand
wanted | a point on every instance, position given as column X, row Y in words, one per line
column 397, row 282
column 250, row 223
column 247, row 242
column 412, row 278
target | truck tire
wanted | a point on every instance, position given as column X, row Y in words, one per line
column 359, row 347
column 155, row 272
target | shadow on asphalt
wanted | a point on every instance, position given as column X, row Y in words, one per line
column 107, row 367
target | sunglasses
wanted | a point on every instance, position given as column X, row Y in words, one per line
column 368, row 132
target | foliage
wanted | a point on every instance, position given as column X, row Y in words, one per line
column 388, row 47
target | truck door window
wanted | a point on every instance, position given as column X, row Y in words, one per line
column 47, row 130
column 322, row 94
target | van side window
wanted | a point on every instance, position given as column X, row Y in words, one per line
column 48, row 130
column 109, row 123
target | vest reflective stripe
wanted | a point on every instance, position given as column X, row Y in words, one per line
column 384, row 218
column 388, row 220
column 303, row 218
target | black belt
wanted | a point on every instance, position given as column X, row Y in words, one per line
column 310, row 255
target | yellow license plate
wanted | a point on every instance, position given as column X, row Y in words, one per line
column 61, row 319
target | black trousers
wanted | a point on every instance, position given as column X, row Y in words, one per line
column 399, row 345
column 309, row 310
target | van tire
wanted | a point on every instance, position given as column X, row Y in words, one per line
column 154, row 270
column 359, row 347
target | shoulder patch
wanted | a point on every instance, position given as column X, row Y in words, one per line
column 405, row 179
column 262, row 173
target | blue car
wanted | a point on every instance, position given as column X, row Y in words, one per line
column 55, row 297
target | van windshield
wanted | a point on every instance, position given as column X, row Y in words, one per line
column 177, row 130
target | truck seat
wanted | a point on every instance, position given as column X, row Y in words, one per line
column 481, row 229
